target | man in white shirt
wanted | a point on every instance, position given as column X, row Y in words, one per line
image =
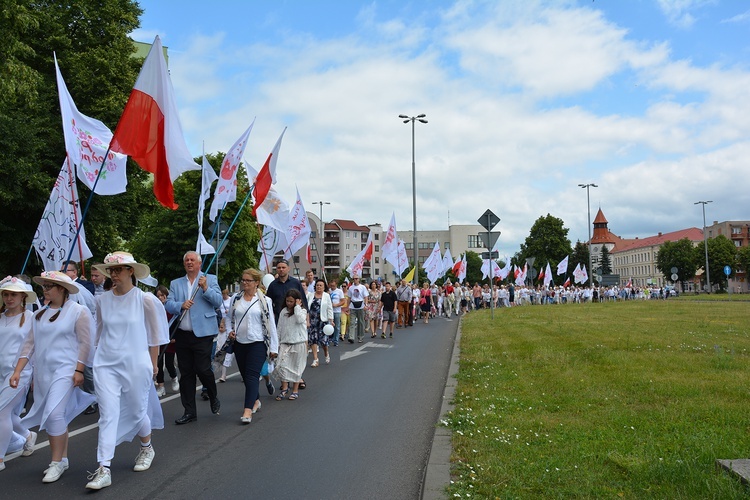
column 337, row 300
column 309, row 283
column 357, row 293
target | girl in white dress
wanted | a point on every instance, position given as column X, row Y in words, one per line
column 60, row 342
column 15, row 324
column 131, row 325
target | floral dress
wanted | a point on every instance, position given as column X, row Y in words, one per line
column 372, row 306
column 315, row 333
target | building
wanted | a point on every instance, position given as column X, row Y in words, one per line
column 739, row 233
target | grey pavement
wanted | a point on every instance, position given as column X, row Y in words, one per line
column 366, row 427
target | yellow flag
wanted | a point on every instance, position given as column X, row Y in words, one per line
column 409, row 277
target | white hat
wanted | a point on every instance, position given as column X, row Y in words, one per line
column 120, row 259
column 11, row 284
column 57, row 278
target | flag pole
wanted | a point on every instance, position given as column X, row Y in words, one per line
column 28, row 254
column 75, row 214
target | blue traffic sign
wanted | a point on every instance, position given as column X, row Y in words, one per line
column 727, row 270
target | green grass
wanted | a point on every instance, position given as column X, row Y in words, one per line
column 622, row 400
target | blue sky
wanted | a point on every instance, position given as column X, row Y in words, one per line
column 649, row 99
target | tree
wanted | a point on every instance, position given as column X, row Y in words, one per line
column 165, row 235
column 94, row 52
column 606, row 261
column 547, row 242
column 680, row 254
column 473, row 267
column 721, row 252
column 743, row 259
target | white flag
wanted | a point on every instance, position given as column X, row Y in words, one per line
column 226, row 188
column 577, row 272
column 202, row 247
column 433, row 266
column 274, row 210
column 505, row 271
column 389, row 250
column 402, row 264
column 298, row 228
column 57, row 228
column 547, row 275
column 562, row 267
column 447, row 261
column 86, row 142
column 271, row 242
column 485, row 268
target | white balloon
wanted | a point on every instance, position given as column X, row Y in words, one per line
column 267, row 280
column 328, row 329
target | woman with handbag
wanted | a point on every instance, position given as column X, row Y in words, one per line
column 253, row 329
column 321, row 314
column 292, row 329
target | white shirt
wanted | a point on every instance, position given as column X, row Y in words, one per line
column 249, row 327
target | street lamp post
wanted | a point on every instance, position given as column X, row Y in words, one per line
column 588, row 205
column 413, row 120
column 320, row 231
column 705, row 242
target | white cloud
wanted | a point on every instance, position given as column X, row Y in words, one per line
column 739, row 18
column 679, row 12
column 520, row 111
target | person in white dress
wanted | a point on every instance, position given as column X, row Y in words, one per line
column 292, row 332
column 131, row 326
column 60, row 344
column 15, row 324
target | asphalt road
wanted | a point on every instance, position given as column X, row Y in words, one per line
column 362, row 429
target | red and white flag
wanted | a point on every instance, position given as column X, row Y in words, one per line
column 389, row 250
column 402, row 264
column 86, row 141
column 267, row 175
column 541, row 275
column 567, row 283
column 355, row 268
column 462, row 270
column 226, row 188
column 309, row 254
column 149, row 129
column 274, row 211
column 562, row 267
column 298, row 229
column 629, row 283
column 456, row 266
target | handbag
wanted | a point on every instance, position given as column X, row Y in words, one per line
column 357, row 304
column 221, row 354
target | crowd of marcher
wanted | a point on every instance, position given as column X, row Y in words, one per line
column 106, row 345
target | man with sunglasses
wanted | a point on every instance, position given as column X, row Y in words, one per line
column 195, row 332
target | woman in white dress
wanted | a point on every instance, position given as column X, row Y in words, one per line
column 292, row 330
column 131, row 325
column 60, row 342
column 15, row 324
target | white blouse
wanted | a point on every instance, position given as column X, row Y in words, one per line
column 246, row 321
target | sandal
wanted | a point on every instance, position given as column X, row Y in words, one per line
column 282, row 395
column 314, row 364
column 302, row 384
column 383, row 335
column 293, row 396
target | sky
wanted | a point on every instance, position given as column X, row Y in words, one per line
column 525, row 100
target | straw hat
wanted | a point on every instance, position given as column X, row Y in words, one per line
column 120, row 259
column 11, row 284
column 57, row 278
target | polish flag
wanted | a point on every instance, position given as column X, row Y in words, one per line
column 149, row 129
column 309, row 254
column 267, row 175
column 567, row 283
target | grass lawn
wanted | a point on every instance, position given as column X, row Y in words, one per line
column 618, row 400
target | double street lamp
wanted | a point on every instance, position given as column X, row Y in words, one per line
column 705, row 241
column 413, row 120
column 588, row 204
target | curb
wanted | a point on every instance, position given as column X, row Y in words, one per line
column 437, row 475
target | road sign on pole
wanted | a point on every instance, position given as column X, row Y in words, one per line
column 489, row 239
column 488, row 220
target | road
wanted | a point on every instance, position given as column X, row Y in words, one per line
column 362, row 429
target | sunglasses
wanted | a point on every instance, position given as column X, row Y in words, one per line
column 118, row 270
column 48, row 286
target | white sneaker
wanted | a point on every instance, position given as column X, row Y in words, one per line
column 28, row 446
column 2, row 466
column 175, row 384
column 144, row 458
column 161, row 391
column 54, row 471
column 101, row 478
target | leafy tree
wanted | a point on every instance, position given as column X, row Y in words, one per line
column 605, row 261
column 743, row 259
column 473, row 267
column 547, row 242
column 721, row 252
column 94, row 53
column 165, row 235
column 680, row 254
